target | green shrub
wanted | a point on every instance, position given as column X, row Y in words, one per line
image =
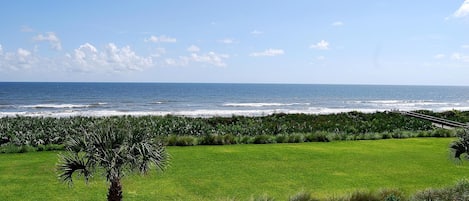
column 171, row 140
column 41, row 147
column 317, row 137
column 281, row 139
column 211, row 140
column 441, row 132
column 12, row 148
column 391, row 195
column 295, row 138
column 400, row 135
column 460, row 191
column 54, row 147
column 262, row 139
column 246, row 140
column 303, row 196
column 336, row 136
column 229, row 139
column 372, row 136
column 184, row 140
column 386, row 136
column 426, row 195
column 423, row 134
column 364, row 196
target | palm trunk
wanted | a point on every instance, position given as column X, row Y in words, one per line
column 115, row 190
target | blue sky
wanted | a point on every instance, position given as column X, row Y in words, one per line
column 420, row 42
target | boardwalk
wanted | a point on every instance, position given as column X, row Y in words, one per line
column 444, row 123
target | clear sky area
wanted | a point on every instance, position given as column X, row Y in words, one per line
column 396, row 42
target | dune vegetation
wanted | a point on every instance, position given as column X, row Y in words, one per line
column 23, row 134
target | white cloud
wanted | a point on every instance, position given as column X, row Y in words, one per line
column 460, row 57
column 160, row 39
column 23, row 53
column 321, row 45
column 193, row 48
column 20, row 59
column 465, row 46
column 125, row 59
column 256, row 32
column 463, row 11
column 25, row 28
column 337, row 23
column 50, row 37
column 440, row 56
column 88, row 58
column 171, row 62
column 227, row 41
column 268, row 52
column 211, row 58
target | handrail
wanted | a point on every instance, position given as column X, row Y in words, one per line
column 433, row 119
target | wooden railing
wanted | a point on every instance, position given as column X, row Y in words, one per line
column 441, row 121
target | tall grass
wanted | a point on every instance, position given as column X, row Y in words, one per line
column 45, row 130
column 43, row 133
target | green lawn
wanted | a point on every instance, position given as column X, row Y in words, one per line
column 245, row 171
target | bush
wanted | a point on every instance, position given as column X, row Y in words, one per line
column 54, row 147
column 303, row 196
column 171, row 140
column 281, row 139
column 246, row 140
column 441, row 132
column 426, row 195
column 386, row 136
column 12, row 148
column 364, row 196
column 229, row 139
column 295, row 138
column 262, row 139
column 317, row 137
column 391, row 195
column 212, row 140
column 423, row 134
column 460, row 191
column 174, row 140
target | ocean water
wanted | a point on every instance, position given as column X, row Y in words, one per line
column 206, row 100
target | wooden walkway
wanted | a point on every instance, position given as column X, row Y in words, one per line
column 445, row 123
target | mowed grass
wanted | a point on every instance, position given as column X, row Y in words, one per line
column 246, row 171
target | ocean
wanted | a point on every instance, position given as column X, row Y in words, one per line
column 208, row 100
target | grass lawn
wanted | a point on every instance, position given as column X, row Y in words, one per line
column 245, row 171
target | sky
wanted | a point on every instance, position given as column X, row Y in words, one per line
column 390, row 42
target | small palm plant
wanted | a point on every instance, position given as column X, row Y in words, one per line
column 461, row 146
column 113, row 150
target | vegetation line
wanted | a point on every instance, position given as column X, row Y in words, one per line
column 22, row 134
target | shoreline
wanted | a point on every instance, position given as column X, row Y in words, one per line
column 207, row 113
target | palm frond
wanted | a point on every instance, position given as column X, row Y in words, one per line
column 145, row 154
column 69, row 163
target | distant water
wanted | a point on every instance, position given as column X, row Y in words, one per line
column 205, row 100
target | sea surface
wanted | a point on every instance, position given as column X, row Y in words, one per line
column 207, row 100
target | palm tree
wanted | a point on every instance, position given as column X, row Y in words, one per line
column 113, row 149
